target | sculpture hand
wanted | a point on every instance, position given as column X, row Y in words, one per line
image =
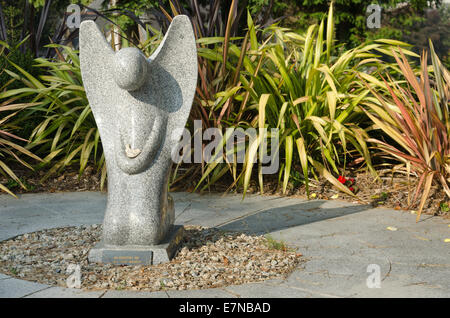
column 140, row 162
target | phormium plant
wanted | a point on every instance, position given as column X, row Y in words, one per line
column 416, row 117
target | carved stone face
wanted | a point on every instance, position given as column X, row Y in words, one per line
column 130, row 69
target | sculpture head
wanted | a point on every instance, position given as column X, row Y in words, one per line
column 130, row 69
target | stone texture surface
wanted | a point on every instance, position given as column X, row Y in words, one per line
column 59, row 292
column 267, row 290
column 200, row 293
column 140, row 106
column 14, row 288
column 134, row 294
column 3, row 276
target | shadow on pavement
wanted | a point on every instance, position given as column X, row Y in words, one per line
column 276, row 219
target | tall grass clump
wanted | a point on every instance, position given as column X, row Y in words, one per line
column 305, row 85
column 416, row 117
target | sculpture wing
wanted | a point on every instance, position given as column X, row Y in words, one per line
column 96, row 58
column 177, row 55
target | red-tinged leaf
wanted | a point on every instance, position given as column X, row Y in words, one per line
column 391, row 149
column 5, row 133
column 419, row 187
column 426, row 192
column 406, row 116
column 409, row 74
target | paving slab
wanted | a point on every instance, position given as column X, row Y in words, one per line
column 265, row 290
column 15, row 288
column 60, row 292
column 134, row 294
column 338, row 239
column 200, row 293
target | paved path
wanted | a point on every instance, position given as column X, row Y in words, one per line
column 339, row 239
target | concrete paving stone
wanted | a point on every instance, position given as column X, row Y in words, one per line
column 34, row 225
column 429, row 276
column 199, row 293
column 343, row 267
column 14, row 288
column 323, row 284
column 338, row 239
column 181, row 208
column 355, row 287
column 3, row 276
column 40, row 198
column 277, row 219
column 183, row 196
column 264, row 290
column 397, row 289
column 60, row 292
column 134, row 294
column 14, row 213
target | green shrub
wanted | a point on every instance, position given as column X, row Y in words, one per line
column 11, row 146
column 293, row 82
column 63, row 129
column 23, row 59
column 66, row 131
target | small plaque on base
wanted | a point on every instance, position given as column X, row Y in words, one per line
column 137, row 254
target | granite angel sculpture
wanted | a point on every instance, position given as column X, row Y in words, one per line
column 138, row 103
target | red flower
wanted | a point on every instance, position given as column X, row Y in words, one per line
column 348, row 183
column 342, row 179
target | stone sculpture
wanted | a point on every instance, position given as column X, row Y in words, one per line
column 138, row 103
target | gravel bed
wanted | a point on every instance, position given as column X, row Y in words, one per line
column 207, row 258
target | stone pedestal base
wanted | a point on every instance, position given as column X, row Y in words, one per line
column 137, row 254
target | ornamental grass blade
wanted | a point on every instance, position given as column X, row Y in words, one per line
column 426, row 192
column 319, row 46
column 303, row 161
column 2, row 187
column 331, row 98
column 230, row 21
column 103, row 176
column 215, row 159
column 249, row 161
column 20, row 148
column 330, row 32
column 289, row 149
column 9, row 172
column 327, row 175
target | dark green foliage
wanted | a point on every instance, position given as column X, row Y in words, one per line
column 13, row 16
column 40, row 21
column 24, row 60
column 413, row 23
column 14, row 185
column 408, row 25
column 262, row 10
column 350, row 15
